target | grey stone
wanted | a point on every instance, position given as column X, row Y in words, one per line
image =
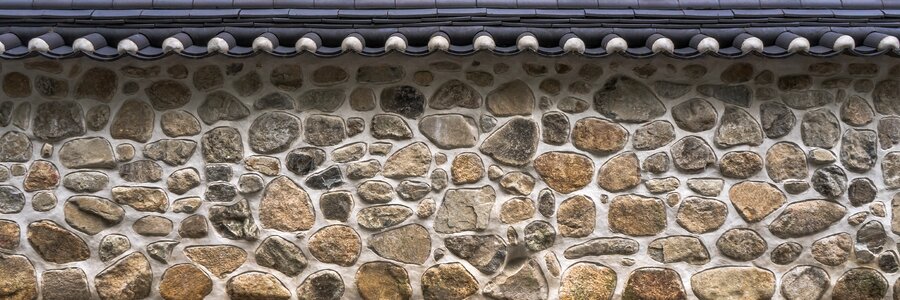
column 807, row 99
column 653, row 135
column 515, row 143
column 794, row 82
column 302, row 161
column 220, row 192
column 388, row 126
column 113, row 245
column 805, row 218
column 603, row 246
column 861, row 191
column 234, row 221
column 15, row 147
column 363, row 169
column 183, row 180
column 671, row 90
column 326, row 179
column 218, row 172
column 85, row 181
column 161, row 250
column 872, row 236
column 737, row 73
column 133, row 121
column 97, row 117
column 701, row 215
column 539, row 235
column 278, row 253
column 221, row 106
column 455, row 93
column 890, row 170
column 349, row 152
column 287, row 77
column 412, row 190
column 58, row 120
column 656, row 163
column 329, row 75
column 487, row 253
column 273, row 132
column 886, row 97
column 465, row 210
column 521, row 279
column 168, row 94
column 379, row 74
column 860, row 283
column 51, row 87
column 248, row 84
column 140, row 171
column 573, row 105
column 208, row 77
column 674, row 249
column 832, row 250
column 321, row 285
column 829, row 181
column 382, row 216
column 889, row 132
column 710, row 187
column 194, row 227
column 692, row 154
column 449, row 131
column 733, row 283
column 732, row 94
column 859, row 150
column 694, row 115
column 777, row 119
column 178, row 123
column 362, row 99
column 627, row 100
column 324, row 130
column 222, row 145
column 856, row 112
column 43, row 201
column 375, row 191
column 403, row 100
column 741, row 244
column 153, row 226
column 510, row 99
column 62, row 284
column 409, row 244
column 91, row 215
column 12, row 200
column 170, row 151
column 786, row 253
column 324, row 100
column 737, row 127
column 274, row 101
column 740, row 164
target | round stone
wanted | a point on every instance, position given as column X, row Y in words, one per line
column 539, row 235
column 777, row 119
column 448, row 281
column 222, row 106
column 786, row 253
column 403, row 100
column 383, row 280
column 409, row 244
column 168, row 94
column 805, row 282
column 273, row 132
column 599, row 136
column 741, row 244
column 860, row 283
column 564, row 172
column 820, row 128
column 514, row 143
column 701, row 215
column 516, row 210
column 576, row 216
column 287, row 77
column 222, row 145
column 785, row 160
column 737, row 127
column 858, row 150
column 653, row 135
column 555, row 128
column 585, row 280
column 620, row 173
column 692, row 154
column 321, row 285
column 740, row 164
column 830, row 181
column 335, row 244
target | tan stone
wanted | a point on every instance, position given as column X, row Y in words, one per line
column 654, row 283
column 257, row 285
column 620, row 173
column 220, row 260
column 285, row 206
column 42, row 175
column 17, row 279
column 55, row 243
column 585, row 280
column 409, row 244
column 335, row 244
column 576, row 217
column 449, row 281
column 599, row 136
column 754, row 200
column 128, row 278
column 466, row 168
column 785, row 160
column 637, row 215
column 146, row 199
column 516, row 210
column 564, row 172
column 413, row 160
column 733, row 283
column 9, row 234
column 184, row 281
column 383, row 280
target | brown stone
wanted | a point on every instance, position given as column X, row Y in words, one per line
column 146, row 199
column 653, row 283
column 564, row 172
column 128, row 278
column 184, row 281
column 733, row 283
column 409, row 244
column 586, row 280
column 55, row 243
column 620, row 173
column 450, row 281
column 576, row 216
column 219, row 260
column 285, row 206
column 17, row 279
column 701, row 215
column 383, row 280
column 414, row 160
column 754, row 200
column 466, row 168
column 257, row 285
column 598, row 136
column 637, row 215
column 9, row 234
column 42, row 175
column 335, row 244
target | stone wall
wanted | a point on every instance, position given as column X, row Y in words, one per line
column 444, row 177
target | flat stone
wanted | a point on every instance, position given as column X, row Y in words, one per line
column 807, row 99
column 409, row 244
column 219, row 260
column 153, row 226
column 449, row 131
column 113, row 245
column 58, row 120
column 510, row 99
column 671, row 90
column 324, row 130
column 285, row 206
column 177, row 123
column 266, row 165
column 375, row 191
column 321, row 285
column 275, row 101
column 829, row 181
column 388, row 126
column 183, row 180
column 636, row 215
column 890, row 170
column 413, row 160
column 15, row 147
column 785, row 160
column 144, row 199
column 517, row 183
column 56, row 244
column 176, row 152
column 860, row 283
column 603, row 247
column 194, row 227
column 731, row 94
column 335, row 244
column 168, row 94
column 733, row 283
column 573, row 105
column 287, row 77
column 329, row 75
column 701, row 215
column 587, row 280
column 66, row 283
column 363, row 169
column 653, row 135
column 382, row 216
column 777, row 119
column 256, row 285
column 521, row 279
column 161, row 250
column 576, row 216
column 480, row 78
column 128, row 278
column 599, row 136
column 410, row 190
column 41, row 175
column 379, row 74
column 234, row 221
column 514, row 143
column 273, row 132
column 741, row 244
column 141, row 171
column 86, row 181
column 858, row 150
column 516, row 210
column 455, row 93
column 184, row 281
column 627, row 100
column 326, row 179
column 17, row 277
column 278, row 253
column 91, row 215
column 691, row 154
column 820, row 128
column 383, row 280
column 220, row 192
column 484, row 252
column 786, row 253
column 620, row 173
column 465, row 210
column 656, row 163
column 737, row 127
column 805, row 218
column 403, row 100
column 794, row 82
column 755, row 200
column 51, row 87
column 889, row 132
column 653, row 283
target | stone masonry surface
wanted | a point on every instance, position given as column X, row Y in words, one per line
column 479, row 177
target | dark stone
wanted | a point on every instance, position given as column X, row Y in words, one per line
column 222, row 106
column 324, row 130
column 97, row 83
column 820, row 128
column 336, row 205
column 555, row 128
column 539, row 235
column 302, row 161
column 404, row 100
column 326, row 179
column 97, row 117
column 732, row 94
column 786, row 253
column 133, row 121
column 487, row 253
column 222, row 145
column 168, row 94
column 455, row 93
column 777, row 119
column 692, row 154
column 807, row 99
column 694, row 115
column 653, row 135
column 858, row 150
column 325, row 100
column 789, row 83
column 287, row 77
column 50, row 87
column 861, row 191
column 141, row 171
column 234, row 221
column 275, row 101
column 515, row 143
column 218, row 172
column 58, row 120
column 830, row 181
column 220, row 192
column 273, row 132
column 624, row 99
